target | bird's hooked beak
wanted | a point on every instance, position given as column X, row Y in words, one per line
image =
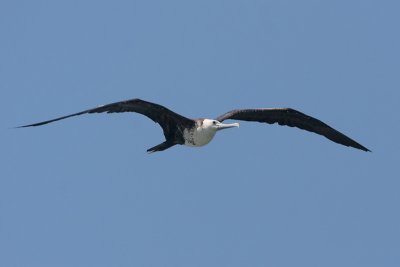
column 221, row 126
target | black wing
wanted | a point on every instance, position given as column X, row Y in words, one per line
column 292, row 118
column 167, row 119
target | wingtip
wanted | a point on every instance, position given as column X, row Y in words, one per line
column 363, row 148
column 26, row 126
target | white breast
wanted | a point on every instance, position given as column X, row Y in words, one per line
column 198, row 136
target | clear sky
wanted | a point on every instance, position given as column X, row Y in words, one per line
column 84, row 192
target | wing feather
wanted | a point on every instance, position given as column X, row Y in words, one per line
column 159, row 114
column 293, row 118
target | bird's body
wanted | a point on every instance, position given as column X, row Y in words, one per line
column 199, row 132
column 203, row 132
column 198, row 135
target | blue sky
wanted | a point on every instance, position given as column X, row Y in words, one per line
column 84, row 192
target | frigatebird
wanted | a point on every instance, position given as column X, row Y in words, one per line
column 179, row 130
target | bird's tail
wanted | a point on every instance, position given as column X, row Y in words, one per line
column 161, row 147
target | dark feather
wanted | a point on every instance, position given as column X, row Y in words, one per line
column 292, row 118
column 167, row 119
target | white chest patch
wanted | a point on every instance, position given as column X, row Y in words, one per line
column 198, row 136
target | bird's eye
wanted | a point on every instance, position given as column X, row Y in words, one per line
column 214, row 122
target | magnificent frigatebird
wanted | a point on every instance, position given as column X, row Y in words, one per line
column 199, row 132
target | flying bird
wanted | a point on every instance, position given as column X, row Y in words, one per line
column 179, row 130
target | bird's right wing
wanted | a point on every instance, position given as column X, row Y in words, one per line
column 292, row 118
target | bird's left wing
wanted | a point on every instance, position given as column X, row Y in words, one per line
column 157, row 113
column 292, row 118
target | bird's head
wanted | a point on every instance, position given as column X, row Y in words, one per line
column 216, row 125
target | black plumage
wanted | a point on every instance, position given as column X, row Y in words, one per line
column 174, row 124
column 292, row 118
